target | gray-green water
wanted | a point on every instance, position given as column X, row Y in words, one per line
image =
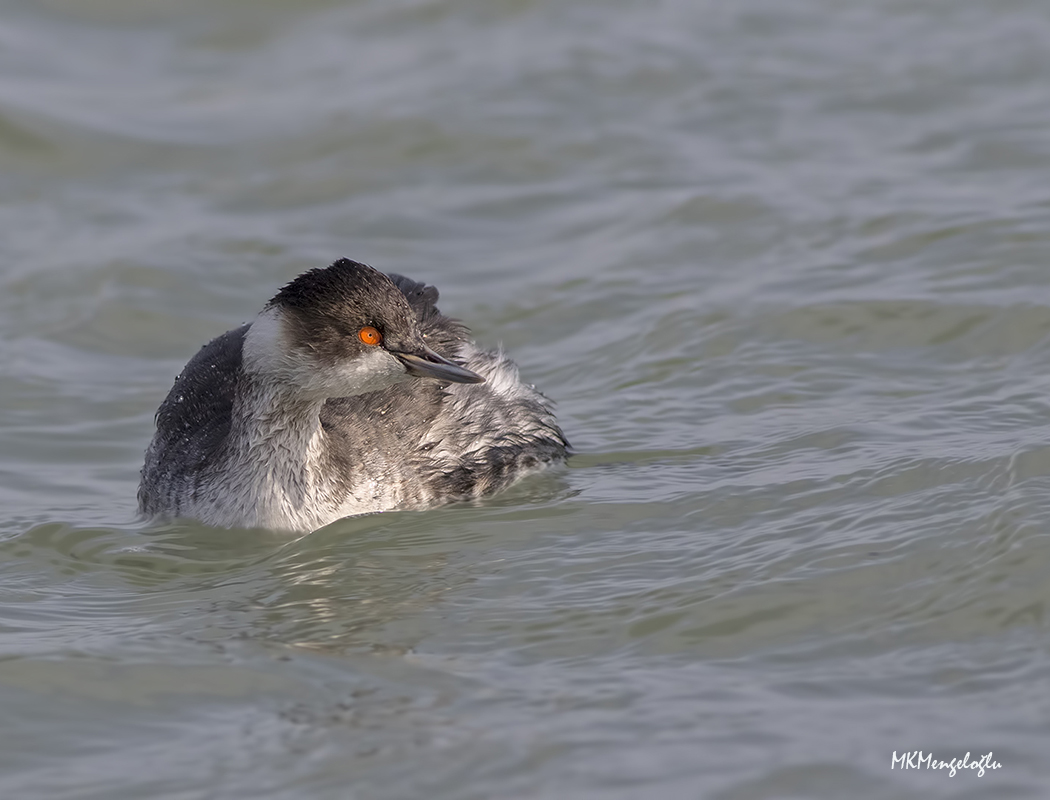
column 784, row 265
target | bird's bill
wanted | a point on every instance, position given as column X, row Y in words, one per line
column 428, row 364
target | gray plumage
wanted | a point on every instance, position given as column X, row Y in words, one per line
column 293, row 421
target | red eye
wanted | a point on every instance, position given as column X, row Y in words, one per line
column 370, row 335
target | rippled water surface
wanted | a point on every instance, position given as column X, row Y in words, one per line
column 783, row 264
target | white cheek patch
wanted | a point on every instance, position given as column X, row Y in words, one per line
column 268, row 353
column 374, row 369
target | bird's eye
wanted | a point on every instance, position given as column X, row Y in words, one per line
column 370, row 335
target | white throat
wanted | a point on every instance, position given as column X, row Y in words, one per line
column 277, row 452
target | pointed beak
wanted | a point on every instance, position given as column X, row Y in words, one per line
column 428, row 364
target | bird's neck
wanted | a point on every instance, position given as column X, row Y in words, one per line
column 279, row 446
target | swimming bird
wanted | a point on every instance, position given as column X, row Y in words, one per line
column 349, row 393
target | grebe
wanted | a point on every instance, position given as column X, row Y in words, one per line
column 342, row 398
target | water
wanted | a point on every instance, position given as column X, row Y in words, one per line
column 784, row 267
